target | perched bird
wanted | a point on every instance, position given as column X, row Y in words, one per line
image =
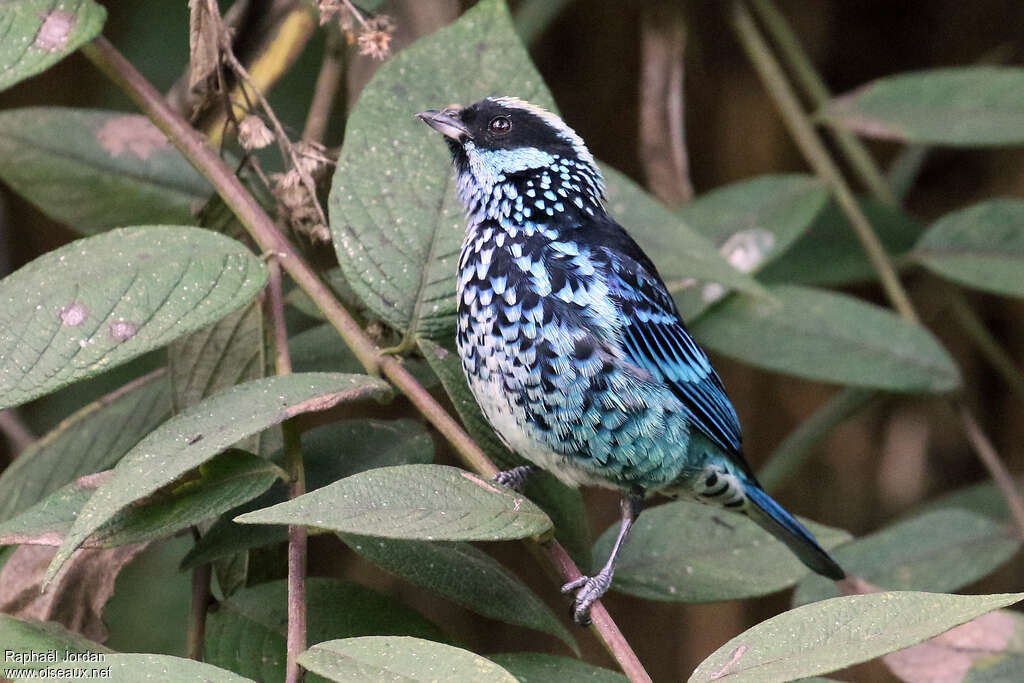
column 571, row 343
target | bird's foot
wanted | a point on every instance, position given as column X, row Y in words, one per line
column 589, row 590
column 516, row 477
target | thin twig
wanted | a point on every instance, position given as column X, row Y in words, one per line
column 297, row 535
column 972, row 325
column 806, row 138
column 201, row 577
column 818, row 157
column 328, row 82
column 263, row 231
column 993, row 463
column 814, row 87
column 17, row 432
column 662, row 127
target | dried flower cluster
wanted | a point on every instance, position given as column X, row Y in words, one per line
column 253, row 133
column 373, row 35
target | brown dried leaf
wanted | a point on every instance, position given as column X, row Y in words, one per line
column 203, row 25
column 948, row 658
column 77, row 595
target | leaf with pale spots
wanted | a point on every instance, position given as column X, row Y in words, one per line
column 426, row 502
column 98, row 302
column 39, row 33
column 396, row 658
column 200, row 432
column 534, row 667
column 96, row 170
column 397, row 224
column 833, row 634
column 688, row 552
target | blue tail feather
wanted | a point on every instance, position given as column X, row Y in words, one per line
column 771, row 517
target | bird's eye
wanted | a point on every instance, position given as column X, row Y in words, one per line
column 500, row 125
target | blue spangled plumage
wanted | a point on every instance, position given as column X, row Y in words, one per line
column 570, row 341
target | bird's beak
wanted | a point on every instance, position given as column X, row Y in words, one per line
column 446, row 123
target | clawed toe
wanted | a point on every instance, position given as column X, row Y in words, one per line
column 589, row 590
column 515, row 478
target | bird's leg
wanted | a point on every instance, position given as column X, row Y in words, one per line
column 516, row 477
column 589, row 589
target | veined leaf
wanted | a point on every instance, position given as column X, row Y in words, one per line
column 39, row 33
column 833, row 634
column 465, row 575
column 101, row 301
column 90, row 440
column 228, row 480
column 194, row 436
column 965, row 106
column 939, row 551
column 377, row 658
column 247, row 632
column 396, row 222
column 149, row 667
column 829, row 337
column 981, row 246
column 688, row 552
column 533, row 667
column 95, row 170
column 425, row 502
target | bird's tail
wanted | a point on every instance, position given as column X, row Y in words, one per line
column 771, row 517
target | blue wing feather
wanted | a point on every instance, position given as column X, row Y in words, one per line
column 655, row 338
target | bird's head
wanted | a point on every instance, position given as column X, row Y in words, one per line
column 499, row 139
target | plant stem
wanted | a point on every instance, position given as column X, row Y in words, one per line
column 990, row 458
column 328, row 82
column 17, row 432
column 817, row 156
column 297, row 535
column 201, row 576
column 808, row 78
column 1001, row 361
column 263, row 231
column 796, row 447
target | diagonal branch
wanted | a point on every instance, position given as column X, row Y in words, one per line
column 196, row 149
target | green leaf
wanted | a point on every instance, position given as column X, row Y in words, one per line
column 679, row 252
column 225, row 482
column 39, row 33
column 563, row 504
column 939, row 551
column 425, row 502
column 25, row 637
column 397, row 224
column 200, row 432
column 829, row 254
column 329, row 453
column 95, row 170
column 92, row 439
column 334, row 279
column 983, row 499
column 246, row 633
column 964, row 106
column 981, row 246
column 688, row 552
column 751, row 223
column 465, row 575
column 833, row 634
column 533, row 667
column 149, row 667
column 101, row 301
column 829, row 337
column 378, row 658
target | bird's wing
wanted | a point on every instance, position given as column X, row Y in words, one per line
column 654, row 337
